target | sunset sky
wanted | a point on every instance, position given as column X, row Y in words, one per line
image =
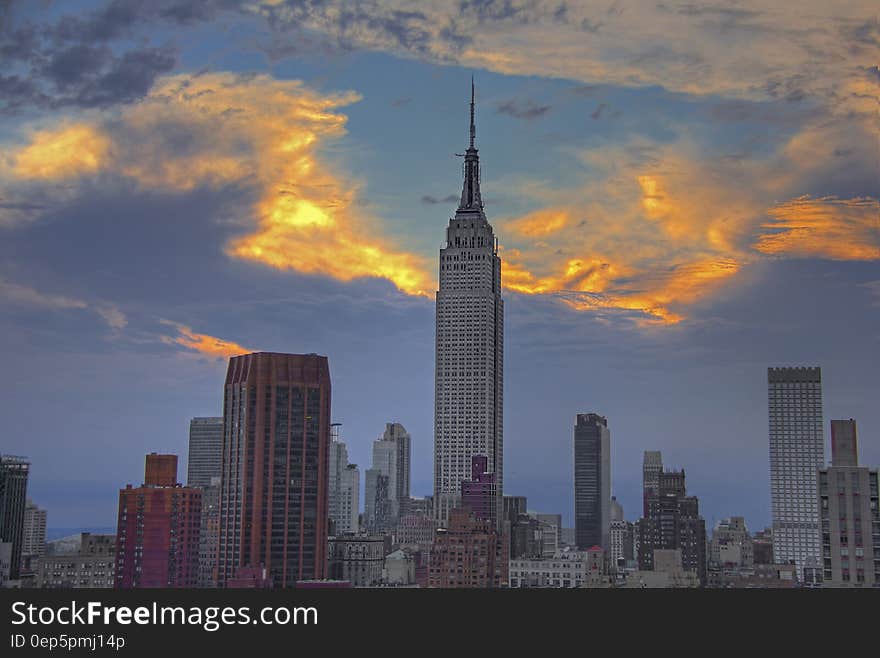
column 685, row 194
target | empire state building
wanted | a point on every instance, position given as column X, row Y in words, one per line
column 469, row 359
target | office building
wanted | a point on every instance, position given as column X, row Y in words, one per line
column 343, row 487
column 592, row 481
column 13, row 501
column 377, row 502
column 469, row 351
column 205, row 450
column 797, row 451
column 273, row 498
column 33, row 536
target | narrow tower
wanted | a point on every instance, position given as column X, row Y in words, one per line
column 469, row 363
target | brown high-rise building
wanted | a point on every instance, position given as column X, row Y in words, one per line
column 275, row 468
column 157, row 538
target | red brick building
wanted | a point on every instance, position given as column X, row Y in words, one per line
column 157, row 537
column 468, row 553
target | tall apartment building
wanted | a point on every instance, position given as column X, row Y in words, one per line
column 343, row 487
column 652, row 466
column 673, row 523
column 13, row 500
column 399, row 442
column 91, row 564
column 592, row 481
column 469, row 350
column 797, row 451
column 205, row 450
column 273, row 499
column 849, row 510
column 377, row 502
column 621, row 537
column 203, row 470
column 158, row 528
column 33, row 539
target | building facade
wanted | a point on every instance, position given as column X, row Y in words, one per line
column 565, row 569
column 343, row 487
column 652, row 466
column 469, row 362
column 849, row 511
column 377, row 502
column 592, row 481
column 360, row 560
column 158, row 528
column 468, row 553
column 13, row 501
column 276, row 437
column 209, row 534
column 673, row 524
column 33, row 540
column 478, row 494
column 205, row 450
column 399, row 443
column 91, row 565
column 797, row 451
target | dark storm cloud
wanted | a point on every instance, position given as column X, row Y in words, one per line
column 522, row 109
column 82, row 60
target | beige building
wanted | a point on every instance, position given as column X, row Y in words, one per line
column 667, row 573
column 848, row 509
column 564, row 569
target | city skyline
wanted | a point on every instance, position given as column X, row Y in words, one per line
column 674, row 218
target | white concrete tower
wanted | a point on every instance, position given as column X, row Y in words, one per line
column 469, row 363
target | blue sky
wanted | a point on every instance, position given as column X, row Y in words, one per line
column 685, row 195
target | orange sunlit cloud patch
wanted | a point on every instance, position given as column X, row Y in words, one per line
column 252, row 130
column 204, row 344
column 69, row 151
column 824, row 227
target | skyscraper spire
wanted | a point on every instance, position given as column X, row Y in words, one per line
column 473, row 127
column 470, row 193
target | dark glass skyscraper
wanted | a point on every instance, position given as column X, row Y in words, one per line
column 13, row 499
column 275, row 459
column 592, row 481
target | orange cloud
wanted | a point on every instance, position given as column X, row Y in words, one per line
column 71, row 150
column 539, row 223
column 203, row 343
column 252, row 130
column 824, row 227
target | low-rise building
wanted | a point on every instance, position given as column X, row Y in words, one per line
column 667, row 573
column 359, row 559
column 90, row 564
